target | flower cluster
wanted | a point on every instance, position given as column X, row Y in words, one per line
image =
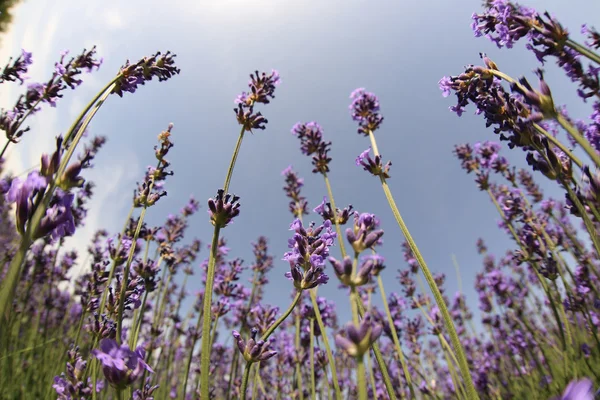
column 374, row 166
column 293, row 184
column 262, row 88
column 365, row 110
column 17, row 70
column 161, row 66
column 310, row 248
column 312, row 144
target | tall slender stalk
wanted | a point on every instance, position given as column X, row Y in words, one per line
column 460, row 353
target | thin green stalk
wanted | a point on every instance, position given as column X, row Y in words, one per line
column 380, row 361
column 361, row 379
column 313, row 385
column 206, row 319
column 396, row 340
column 582, row 141
column 460, row 353
column 298, row 370
column 113, row 266
column 138, row 324
column 371, row 373
column 125, row 276
column 584, row 51
column 245, row 380
column 586, row 219
column 558, row 144
column 236, row 151
column 280, row 320
column 334, row 378
column 255, row 380
column 338, row 230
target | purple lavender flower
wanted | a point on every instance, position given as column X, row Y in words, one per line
column 578, row 390
column 223, row 208
column 253, row 350
column 312, row 143
column 364, row 234
column 298, row 204
column 23, row 193
column 262, row 87
column 161, row 66
column 310, row 248
column 365, row 110
column 358, row 339
column 326, row 212
column 120, row 365
column 17, row 70
column 374, row 166
column 58, row 221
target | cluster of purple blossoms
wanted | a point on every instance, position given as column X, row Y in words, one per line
column 17, row 70
column 253, row 350
column 151, row 188
column 358, row 339
column 121, row 366
column 312, row 144
column 262, row 88
column 326, row 212
column 293, row 184
column 365, row 233
column 310, row 248
column 365, row 110
column 374, row 166
column 65, row 75
column 223, row 208
column 161, row 66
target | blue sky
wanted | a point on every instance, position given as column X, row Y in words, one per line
column 323, row 50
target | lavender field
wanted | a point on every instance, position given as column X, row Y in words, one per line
column 111, row 289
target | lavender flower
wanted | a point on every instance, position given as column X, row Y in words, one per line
column 262, row 87
column 359, row 339
column 253, row 350
column 309, row 247
column 298, row 204
column 17, row 70
column 365, row 110
column 374, row 166
column 326, row 212
column 578, row 390
column 161, row 66
column 312, row 144
column 223, row 208
column 364, row 234
column 120, row 365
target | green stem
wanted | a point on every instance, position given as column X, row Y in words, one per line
column 245, row 380
column 298, row 370
column 361, row 379
column 233, row 160
column 586, row 219
column 138, row 323
column 338, row 230
column 380, row 361
column 255, row 380
column 125, row 276
column 334, row 378
column 206, row 317
column 371, row 373
column 582, row 141
column 280, row 320
column 460, row 353
column 396, row 340
column 313, row 386
column 584, row 51
column 558, row 144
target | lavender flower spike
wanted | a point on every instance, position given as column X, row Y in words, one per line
column 358, row 339
column 252, row 350
column 120, row 365
column 365, row 110
column 223, row 208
